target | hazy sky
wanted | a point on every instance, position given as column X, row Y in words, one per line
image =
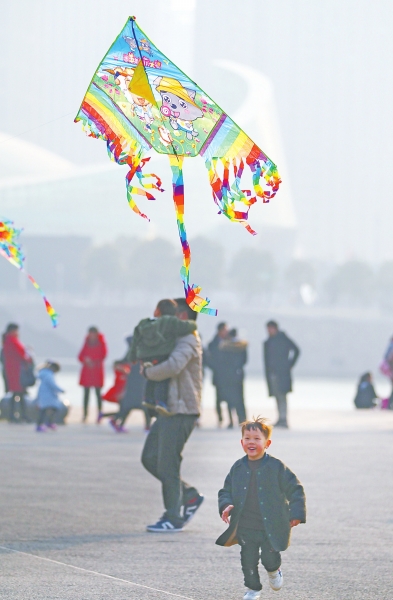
column 330, row 64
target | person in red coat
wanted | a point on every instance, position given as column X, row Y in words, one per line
column 14, row 356
column 92, row 357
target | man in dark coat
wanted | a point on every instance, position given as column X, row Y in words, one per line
column 280, row 356
column 213, row 359
column 230, row 377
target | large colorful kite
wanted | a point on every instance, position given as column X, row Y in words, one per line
column 139, row 100
column 11, row 249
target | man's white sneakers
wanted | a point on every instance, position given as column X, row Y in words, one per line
column 251, row 595
column 276, row 580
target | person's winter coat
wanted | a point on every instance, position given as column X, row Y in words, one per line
column 230, row 376
column 48, row 391
column 154, row 338
column 184, row 368
column 280, row 494
column 212, row 359
column 14, row 357
column 92, row 374
column 134, row 393
column 365, row 396
column 116, row 392
column 280, row 355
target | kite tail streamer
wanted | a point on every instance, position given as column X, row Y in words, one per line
column 192, row 291
column 49, row 308
column 232, row 201
column 11, row 250
column 136, row 164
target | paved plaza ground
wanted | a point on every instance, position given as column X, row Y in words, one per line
column 74, row 505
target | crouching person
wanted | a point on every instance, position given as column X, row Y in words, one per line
column 47, row 399
column 261, row 501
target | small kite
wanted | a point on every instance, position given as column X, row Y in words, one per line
column 11, row 250
column 139, row 100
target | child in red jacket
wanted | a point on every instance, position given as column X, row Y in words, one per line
column 116, row 392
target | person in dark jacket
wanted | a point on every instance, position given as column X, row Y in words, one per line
column 214, row 360
column 280, row 356
column 133, row 397
column 261, row 500
column 230, row 377
column 366, row 394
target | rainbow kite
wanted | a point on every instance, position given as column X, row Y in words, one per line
column 11, row 250
column 139, row 100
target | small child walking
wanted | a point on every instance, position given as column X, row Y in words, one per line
column 116, row 392
column 261, row 501
column 153, row 342
column 47, row 399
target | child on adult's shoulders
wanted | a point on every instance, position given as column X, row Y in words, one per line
column 153, row 342
column 262, row 499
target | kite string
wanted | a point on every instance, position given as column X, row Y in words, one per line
column 18, row 135
column 195, row 302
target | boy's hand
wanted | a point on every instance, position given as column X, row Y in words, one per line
column 225, row 514
column 294, row 522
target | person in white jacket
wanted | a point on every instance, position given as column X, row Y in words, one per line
column 162, row 453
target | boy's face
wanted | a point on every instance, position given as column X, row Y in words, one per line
column 254, row 443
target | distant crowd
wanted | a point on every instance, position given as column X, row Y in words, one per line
column 152, row 343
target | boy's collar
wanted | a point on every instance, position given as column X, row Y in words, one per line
column 245, row 458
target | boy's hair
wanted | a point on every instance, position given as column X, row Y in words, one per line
column 182, row 306
column 258, row 423
column 167, row 307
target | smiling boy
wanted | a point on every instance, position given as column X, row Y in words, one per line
column 261, row 500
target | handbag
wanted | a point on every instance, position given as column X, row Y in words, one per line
column 27, row 376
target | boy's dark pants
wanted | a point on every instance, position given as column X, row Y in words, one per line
column 255, row 545
column 162, row 457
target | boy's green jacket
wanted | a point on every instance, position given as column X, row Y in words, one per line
column 155, row 338
column 280, row 494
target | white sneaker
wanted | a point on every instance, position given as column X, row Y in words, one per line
column 251, row 595
column 276, row 580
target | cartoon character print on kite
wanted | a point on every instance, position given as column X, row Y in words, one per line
column 131, row 42
column 140, row 107
column 165, row 136
column 178, row 105
column 144, row 46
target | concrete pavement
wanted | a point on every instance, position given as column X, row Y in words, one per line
column 80, row 498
